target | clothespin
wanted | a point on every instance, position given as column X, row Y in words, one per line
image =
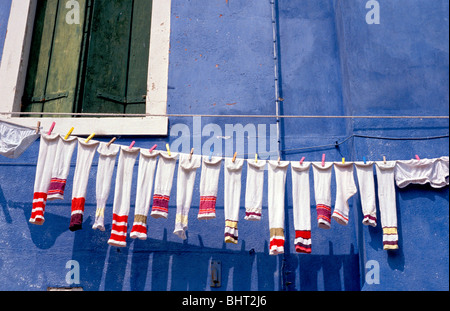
column 38, row 127
column 384, row 159
column 364, row 159
column 279, row 159
column 69, row 133
column 190, row 155
column 234, row 157
column 153, row 148
column 323, row 160
column 111, row 141
column 89, row 138
column 132, row 144
column 301, row 161
column 51, row 128
column 168, row 150
column 211, row 150
column 417, row 158
column 256, row 158
column 343, row 160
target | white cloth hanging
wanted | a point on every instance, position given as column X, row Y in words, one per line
column 345, row 189
column 254, row 189
column 232, row 198
column 433, row 171
column 322, row 192
column 209, row 183
column 15, row 139
column 366, row 183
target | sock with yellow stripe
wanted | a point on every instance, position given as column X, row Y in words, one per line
column 232, row 199
column 105, row 169
column 388, row 207
column 187, row 171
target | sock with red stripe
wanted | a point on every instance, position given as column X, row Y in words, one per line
column 85, row 155
column 187, row 170
column 345, row 189
column 122, row 196
column 388, row 207
column 209, row 182
column 322, row 192
column 366, row 184
column 105, row 169
column 47, row 152
column 163, row 184
column 232, row 198
column 276, row 197
column 146, row 172
column 61, row 167
column 254, row 189
column 301, row 206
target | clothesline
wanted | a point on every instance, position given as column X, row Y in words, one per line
column 218, row 115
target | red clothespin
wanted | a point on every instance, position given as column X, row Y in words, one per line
column 132, row 144
column 417, row 158
column 51, row 128
column 301, row 161
column 323, row 160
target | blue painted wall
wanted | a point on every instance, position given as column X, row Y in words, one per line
column 221, row 62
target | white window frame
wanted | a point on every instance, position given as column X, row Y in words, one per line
column 13, row 70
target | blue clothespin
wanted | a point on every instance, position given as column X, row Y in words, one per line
column 211, row 150
column 364, row 159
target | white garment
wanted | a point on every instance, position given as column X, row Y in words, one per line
column 301, row 206
column 15, row 139
column 432, row 171
column 105, row 169
column 322, row 192
column 388, row 207
column 85, row 155
column 146, row 174
column 366, row 184
column 276, row 196
column 345, row 189
column 187, row 171
column 46, row 158
column 61, row 167
column 122, row 196
column 163, row 184
column 254, row 189
column 209, row 182
column 232, row 198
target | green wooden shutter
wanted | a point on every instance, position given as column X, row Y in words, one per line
column 117, row 59
column 52, row 75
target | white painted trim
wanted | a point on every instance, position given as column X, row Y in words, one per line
column 13, row 69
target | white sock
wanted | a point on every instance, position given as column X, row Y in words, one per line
column 163, row 184
column 301, row 206
column 105, row 169
column 276, row 192
column 345, row 189
column 254, row 189
column 367, row 192
column 232, row 198
column 388, row 207
column 146, row 173
column 322, row 192
column 85, row 155
column 122, row 195
column 187, row 170
column 209, row 182
column 47, row 151
column 61, row 167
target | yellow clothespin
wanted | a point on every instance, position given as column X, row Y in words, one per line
column 89, row 138
column 69, row 133
column 234, row 157
column 256, row 158
column 110, row 142
column 343, row 160
column 190, row 155
column 168, row 150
